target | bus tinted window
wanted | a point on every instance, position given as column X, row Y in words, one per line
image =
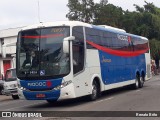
column 116, row 41
column 93, row 35
column 107, row 40
column 78, row 49
column 139, row 44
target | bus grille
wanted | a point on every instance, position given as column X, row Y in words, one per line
column 49, row 89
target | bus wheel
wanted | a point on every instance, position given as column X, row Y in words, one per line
column 15, row 97
column 141, row 81
column 137, row 81
column 51, row 101
column 94, row 94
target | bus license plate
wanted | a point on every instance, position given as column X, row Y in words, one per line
column 40, row 95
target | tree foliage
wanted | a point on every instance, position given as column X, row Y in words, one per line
column 81, row 10
column 108, row 14
column 155, row 48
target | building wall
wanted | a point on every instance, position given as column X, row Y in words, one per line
column 8, row 36
column 11, row 49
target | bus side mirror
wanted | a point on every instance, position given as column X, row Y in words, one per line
column 3, row 51
column 66, row 43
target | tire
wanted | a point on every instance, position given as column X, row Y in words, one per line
column 141, row 81
column 95, row 91
column 1, row 90
column 51, row 101
column 136, row 84
column 15, row 97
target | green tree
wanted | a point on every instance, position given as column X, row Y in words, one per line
column 108, row 14
column 81, row 10
column 155, row 48
column 147, row 21
column 150, row 7
column 103, row 2
column 129, row 21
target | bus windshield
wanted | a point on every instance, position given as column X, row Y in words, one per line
column 11, row 75
column 40, row 54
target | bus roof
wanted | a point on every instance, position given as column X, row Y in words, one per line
column 78, row 23
column 59, row 23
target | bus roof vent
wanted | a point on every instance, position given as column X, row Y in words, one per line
column 112, row 28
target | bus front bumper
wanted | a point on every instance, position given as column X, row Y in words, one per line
column 64, row 93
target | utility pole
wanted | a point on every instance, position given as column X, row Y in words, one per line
column 38, row 12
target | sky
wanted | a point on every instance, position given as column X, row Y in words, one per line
column 18, row 13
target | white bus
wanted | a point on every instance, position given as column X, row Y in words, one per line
column 73, row 59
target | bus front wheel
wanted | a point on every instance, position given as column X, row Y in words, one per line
column 94, row 94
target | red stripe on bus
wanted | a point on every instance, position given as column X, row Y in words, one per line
column 44, row 36
column 117, row 52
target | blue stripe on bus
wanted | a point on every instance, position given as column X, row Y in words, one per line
column 34, row 87
column 116, row 69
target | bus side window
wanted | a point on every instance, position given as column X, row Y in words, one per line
column 78, row 49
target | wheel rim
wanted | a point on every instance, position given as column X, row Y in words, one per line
column 94, row 91
column 137, row 84
column 142, row 80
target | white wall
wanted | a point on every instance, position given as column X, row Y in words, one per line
column 9, row 36
column 11, row 49
column 9, row 32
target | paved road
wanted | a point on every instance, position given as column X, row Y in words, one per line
column 124, row 99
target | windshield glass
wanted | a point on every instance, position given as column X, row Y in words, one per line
column 11, row 75
column 40, row 54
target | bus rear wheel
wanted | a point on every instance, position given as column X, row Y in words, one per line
column 95, row 91
column 141, row 81
column 136, row 84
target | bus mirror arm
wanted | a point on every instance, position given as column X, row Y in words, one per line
column 66, row 43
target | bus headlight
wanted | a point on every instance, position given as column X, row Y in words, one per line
column 62, row 85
